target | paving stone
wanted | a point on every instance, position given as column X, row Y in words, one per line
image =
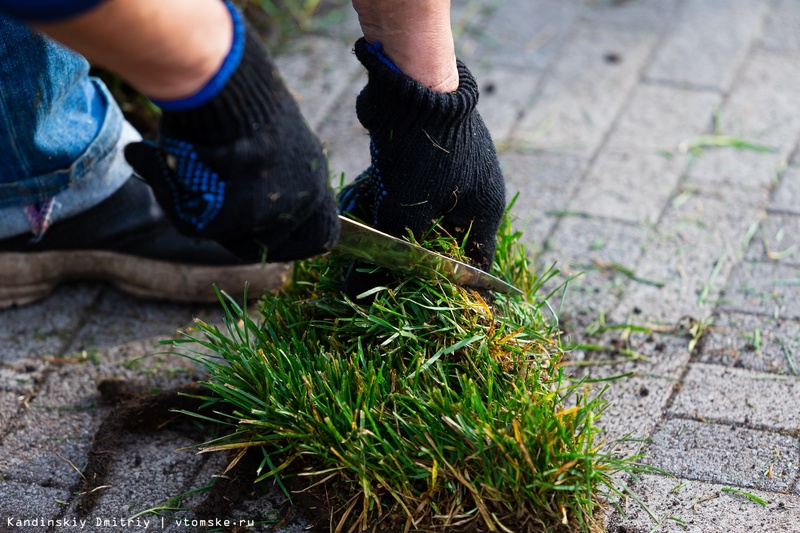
column 22, row 376
column 708, row 43
column 628, row 186
column 345, row 140
column 743, row 169
column 525, row 33
column 787, row 193
column 725, row 454
column 780, row 30
column 596, row 258
column 753, row 342
column 696, row 246
column 543, row 183
column 42, row 445
column 659, row 118
column 736, row 396
column 650, row 16
column 763, row 106
column 504, row 95
column 56, row 429
column 705, row 508
column 778, row 239
column 764, row 288
column 118, row 318
column 468, row 22
column 29, row 507
column 42, row 328
column 318, row 71
column 636, row 402
column 10, row 402
column 584, row 91
column 147, row 472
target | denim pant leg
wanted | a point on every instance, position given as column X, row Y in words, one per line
column 61, row 133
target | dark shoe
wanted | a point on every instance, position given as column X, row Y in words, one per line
column 127, row 241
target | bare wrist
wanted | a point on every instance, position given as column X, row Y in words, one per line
column 416, row 36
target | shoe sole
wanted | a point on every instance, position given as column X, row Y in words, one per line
column 27, row 277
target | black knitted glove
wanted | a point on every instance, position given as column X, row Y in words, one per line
column 432, row 157
column 243, row 168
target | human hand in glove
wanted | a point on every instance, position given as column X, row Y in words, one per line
column 432, row 157
column 242, row 167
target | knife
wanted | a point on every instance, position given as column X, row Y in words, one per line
column 373, row 246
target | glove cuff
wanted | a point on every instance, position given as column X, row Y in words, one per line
column 393, row 99
column 251, row 96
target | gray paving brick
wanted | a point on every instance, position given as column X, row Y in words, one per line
column 543, row 183
column 55, row 430
column 636, row 403
column 763, row 106
column 28, row 507
column 743, row 169
column 118, row 318
column 725, row 454
column 788, row 191
column 504, row 94
column 650, row 16
column 43, row 328
column 10, row 402
column 595, row 258
column 660, row 118
column 780, row 30
column 468, row 22
column 696, row 246
column 736, row 396
column 146, row 472
column 318, row 71
column 765, row 288
column 145, row 364
column 20, row 377
column 584, row 91
column 525, row 33
column 778, row 239
column 42, row 446
column 628, row 186
column 753, row 342
column 709, row 42
column 345, row 140
column 705, row 508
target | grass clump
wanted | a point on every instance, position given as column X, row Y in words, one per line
column 431, row 409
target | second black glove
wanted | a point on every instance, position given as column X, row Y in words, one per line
column 243, row 168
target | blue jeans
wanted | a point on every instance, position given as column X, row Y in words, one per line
column 61, row 133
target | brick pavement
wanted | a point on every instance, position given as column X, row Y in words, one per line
column 589, row 102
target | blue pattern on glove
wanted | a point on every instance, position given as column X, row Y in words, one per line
column 376, row 178
column 364, row 196
column 198, row 193
column 377, row 50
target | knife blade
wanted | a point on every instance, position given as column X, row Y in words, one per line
column 373, row 246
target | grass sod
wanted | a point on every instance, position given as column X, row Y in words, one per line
column 429, row 410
